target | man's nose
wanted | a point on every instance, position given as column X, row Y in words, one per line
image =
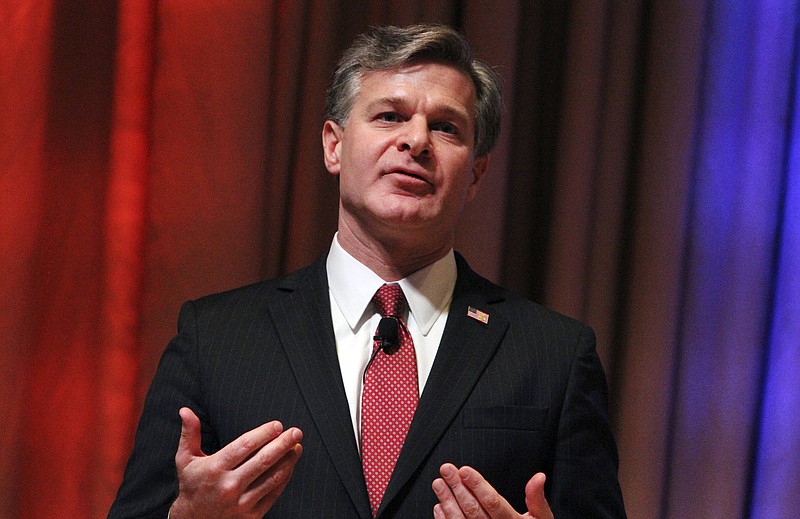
column 415, row 137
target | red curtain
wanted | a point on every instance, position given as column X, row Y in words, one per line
column 155, row 151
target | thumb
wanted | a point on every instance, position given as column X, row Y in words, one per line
column 189, row 443
column 534, row 498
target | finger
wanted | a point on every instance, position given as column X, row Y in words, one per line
column 243, row 447
column 270, row 486
column 488, row 498
column 189, row 443
column 448, row 505
column 274, row 478
column 467, row 501
column 534, row 497
column 269, row 455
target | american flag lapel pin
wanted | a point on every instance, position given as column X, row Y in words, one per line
column 478, row 315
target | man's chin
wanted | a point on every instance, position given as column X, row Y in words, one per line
column 404, row 219
column 405, row 209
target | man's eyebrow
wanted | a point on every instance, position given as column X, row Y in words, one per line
column 454, row 113
column 385, row 101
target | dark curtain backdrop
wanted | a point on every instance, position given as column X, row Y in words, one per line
column 647, row 182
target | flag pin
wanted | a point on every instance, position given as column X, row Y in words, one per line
column 478, row 315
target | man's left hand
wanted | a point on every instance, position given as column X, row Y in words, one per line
column 463, row 493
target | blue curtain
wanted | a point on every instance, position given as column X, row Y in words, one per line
column 735, row 439
column 776, row 489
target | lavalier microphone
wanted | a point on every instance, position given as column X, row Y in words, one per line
column 386, row 335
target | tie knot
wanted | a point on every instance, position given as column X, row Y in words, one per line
column 390, row 300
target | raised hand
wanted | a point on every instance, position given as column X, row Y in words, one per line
column 464, row 493
column 242, row 480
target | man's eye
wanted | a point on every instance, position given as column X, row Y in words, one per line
column 389, row 117
column 445, row 128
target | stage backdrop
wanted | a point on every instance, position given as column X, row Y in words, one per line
column 647, row 182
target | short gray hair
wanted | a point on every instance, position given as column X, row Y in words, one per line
column 389, row 47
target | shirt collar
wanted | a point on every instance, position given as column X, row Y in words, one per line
column 352, row 284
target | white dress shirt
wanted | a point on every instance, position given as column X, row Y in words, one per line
column 428, row 291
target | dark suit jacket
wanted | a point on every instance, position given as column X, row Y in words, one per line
column 521, row 394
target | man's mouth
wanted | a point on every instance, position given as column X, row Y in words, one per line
column 408, row 173
column 411, row 181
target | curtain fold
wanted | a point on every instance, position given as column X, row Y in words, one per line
column 647, row 181
column 25, row 60
column 776, row 462
column 125, row 217
column 777, row 459
column 58, row 376
column 733, row 231
column 652, row 251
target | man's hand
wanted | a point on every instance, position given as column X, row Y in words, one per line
column 241, row 480
column 463, row 493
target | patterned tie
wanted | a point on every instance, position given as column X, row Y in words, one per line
column 389, row 399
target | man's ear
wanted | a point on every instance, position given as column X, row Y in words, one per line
column 479, row 166
column 332, row 146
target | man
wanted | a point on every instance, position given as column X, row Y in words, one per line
column 409, row 386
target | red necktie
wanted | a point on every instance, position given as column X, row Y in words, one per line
column 389, row 399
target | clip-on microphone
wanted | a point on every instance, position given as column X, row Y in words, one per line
column 386, row 337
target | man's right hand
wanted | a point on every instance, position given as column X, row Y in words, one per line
column 241, row 480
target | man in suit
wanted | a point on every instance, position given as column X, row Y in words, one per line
column 463, row 400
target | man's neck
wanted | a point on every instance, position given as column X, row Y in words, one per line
column 390, row 259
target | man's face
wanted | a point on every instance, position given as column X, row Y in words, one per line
column 405, row 158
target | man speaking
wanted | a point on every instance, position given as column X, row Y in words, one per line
column 387, row 379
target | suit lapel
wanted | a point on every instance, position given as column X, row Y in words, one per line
column 466, row 348
column 303, row 320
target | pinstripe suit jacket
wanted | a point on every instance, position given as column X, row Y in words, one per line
column 523, row 393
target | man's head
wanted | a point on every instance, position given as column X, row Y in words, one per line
column 411, row 120
column 385, row 48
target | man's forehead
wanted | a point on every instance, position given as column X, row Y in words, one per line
column 412, row 67
column 388, row 76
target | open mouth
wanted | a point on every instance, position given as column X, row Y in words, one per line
column 409, row 174
column 412, row 175
column 410, row 182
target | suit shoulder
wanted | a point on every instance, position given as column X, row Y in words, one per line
column 532, row 308
column 255, row 295
column 517, row 308
column 531, row 315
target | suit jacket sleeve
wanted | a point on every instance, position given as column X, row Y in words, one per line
column 150, row 483
column 584, row 479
